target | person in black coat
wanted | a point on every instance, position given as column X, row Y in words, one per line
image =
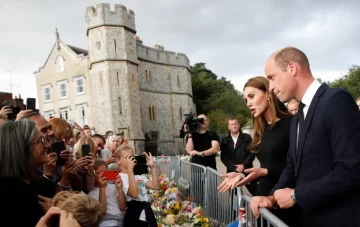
column 235, row 153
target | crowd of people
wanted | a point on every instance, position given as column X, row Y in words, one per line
column 309, row 156
column 38, row 190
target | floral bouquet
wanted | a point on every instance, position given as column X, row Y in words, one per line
column 170, row 211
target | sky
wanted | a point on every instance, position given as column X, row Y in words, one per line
column 234, row 38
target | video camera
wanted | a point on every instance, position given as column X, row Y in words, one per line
column 192, row 123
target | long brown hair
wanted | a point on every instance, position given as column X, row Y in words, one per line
column 277, row 110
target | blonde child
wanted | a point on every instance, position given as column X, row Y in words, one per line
column 139, row 212
column 110, row 196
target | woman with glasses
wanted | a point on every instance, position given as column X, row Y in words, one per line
column 23, row 150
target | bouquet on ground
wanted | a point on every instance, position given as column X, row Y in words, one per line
column 170, row 211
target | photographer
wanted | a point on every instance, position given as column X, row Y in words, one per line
column 202, row 146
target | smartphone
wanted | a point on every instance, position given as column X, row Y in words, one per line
column 58, row 147
column 140, row 159
column 15, row 110
column 110, row 175
column 85, row 149
column 140, row 167
column 31, row 104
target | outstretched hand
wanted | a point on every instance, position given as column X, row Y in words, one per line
column 230, row 181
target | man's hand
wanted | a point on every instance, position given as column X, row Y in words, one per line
column 91, row 162
column 261, row 202
column 283, row 198
column 23, row 114
column 51, row 165
column 240, row 168
column 194, row 152
column 67, row 155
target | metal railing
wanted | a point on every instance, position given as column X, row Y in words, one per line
column 195, row 174
column 175, row 169
column 267, row 218
column 222, row 208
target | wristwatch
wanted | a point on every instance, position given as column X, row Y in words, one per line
column 293, row 195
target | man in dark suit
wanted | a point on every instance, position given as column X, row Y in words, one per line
column 235, row 153
column 322, row 176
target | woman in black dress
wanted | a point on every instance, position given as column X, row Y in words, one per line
column 271, row 124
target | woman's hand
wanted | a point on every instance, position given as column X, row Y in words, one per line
column 230, row 181
column 67, row 220
column 254, row 173
column 46, row 219
column 91, row 162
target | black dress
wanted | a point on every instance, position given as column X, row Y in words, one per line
column 20, row 203
column 272, row 154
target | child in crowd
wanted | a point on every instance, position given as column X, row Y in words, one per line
column 110, row 196
column 85, row 210
column 139, row 212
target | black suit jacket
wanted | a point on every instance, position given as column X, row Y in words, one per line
column 326, row 171
column 241, row 154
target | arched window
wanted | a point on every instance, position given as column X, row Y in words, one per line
column 60, row 63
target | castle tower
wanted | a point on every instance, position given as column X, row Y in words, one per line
column 113, row 66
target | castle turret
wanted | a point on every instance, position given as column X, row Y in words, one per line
column 113, row 67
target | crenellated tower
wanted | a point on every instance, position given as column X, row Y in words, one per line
column 113, row 66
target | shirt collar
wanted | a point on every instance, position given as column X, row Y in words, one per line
column 310, row 92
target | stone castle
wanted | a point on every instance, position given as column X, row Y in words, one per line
column 119, row 84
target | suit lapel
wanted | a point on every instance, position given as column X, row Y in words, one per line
column 308, row 119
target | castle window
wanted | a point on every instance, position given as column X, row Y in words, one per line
column 47, row 94
column 101, row 80
column 148, row 76
column 152, row 113
column 118, row 78
column 80, row 86
column 60, row 64
column 115, row 44
column 82, row 114
column 178, row 81
column 120, row 106
column 181, row 114
column 64, row 113
column 63, row 89
column 48, row 114
column 133, row 80
column 98, row 45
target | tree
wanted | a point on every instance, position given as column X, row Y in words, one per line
column 349, row 82
column 217, row 98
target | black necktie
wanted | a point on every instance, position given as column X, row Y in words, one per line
column 301, row 121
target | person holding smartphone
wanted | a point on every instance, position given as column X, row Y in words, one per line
column 139, row 212
column 111, row 196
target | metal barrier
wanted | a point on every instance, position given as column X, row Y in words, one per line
column 163, row 164
column 175, row 169
column 195, row 173
column 222, row 208
column 266, row 216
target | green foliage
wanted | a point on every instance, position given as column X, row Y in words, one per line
column 349, row 82
column 217, row 98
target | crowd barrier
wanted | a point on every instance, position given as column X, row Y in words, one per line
column 221, row 208
column 266, row 216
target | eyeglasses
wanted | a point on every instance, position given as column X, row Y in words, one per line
column 40, row 140
column 45, row 129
